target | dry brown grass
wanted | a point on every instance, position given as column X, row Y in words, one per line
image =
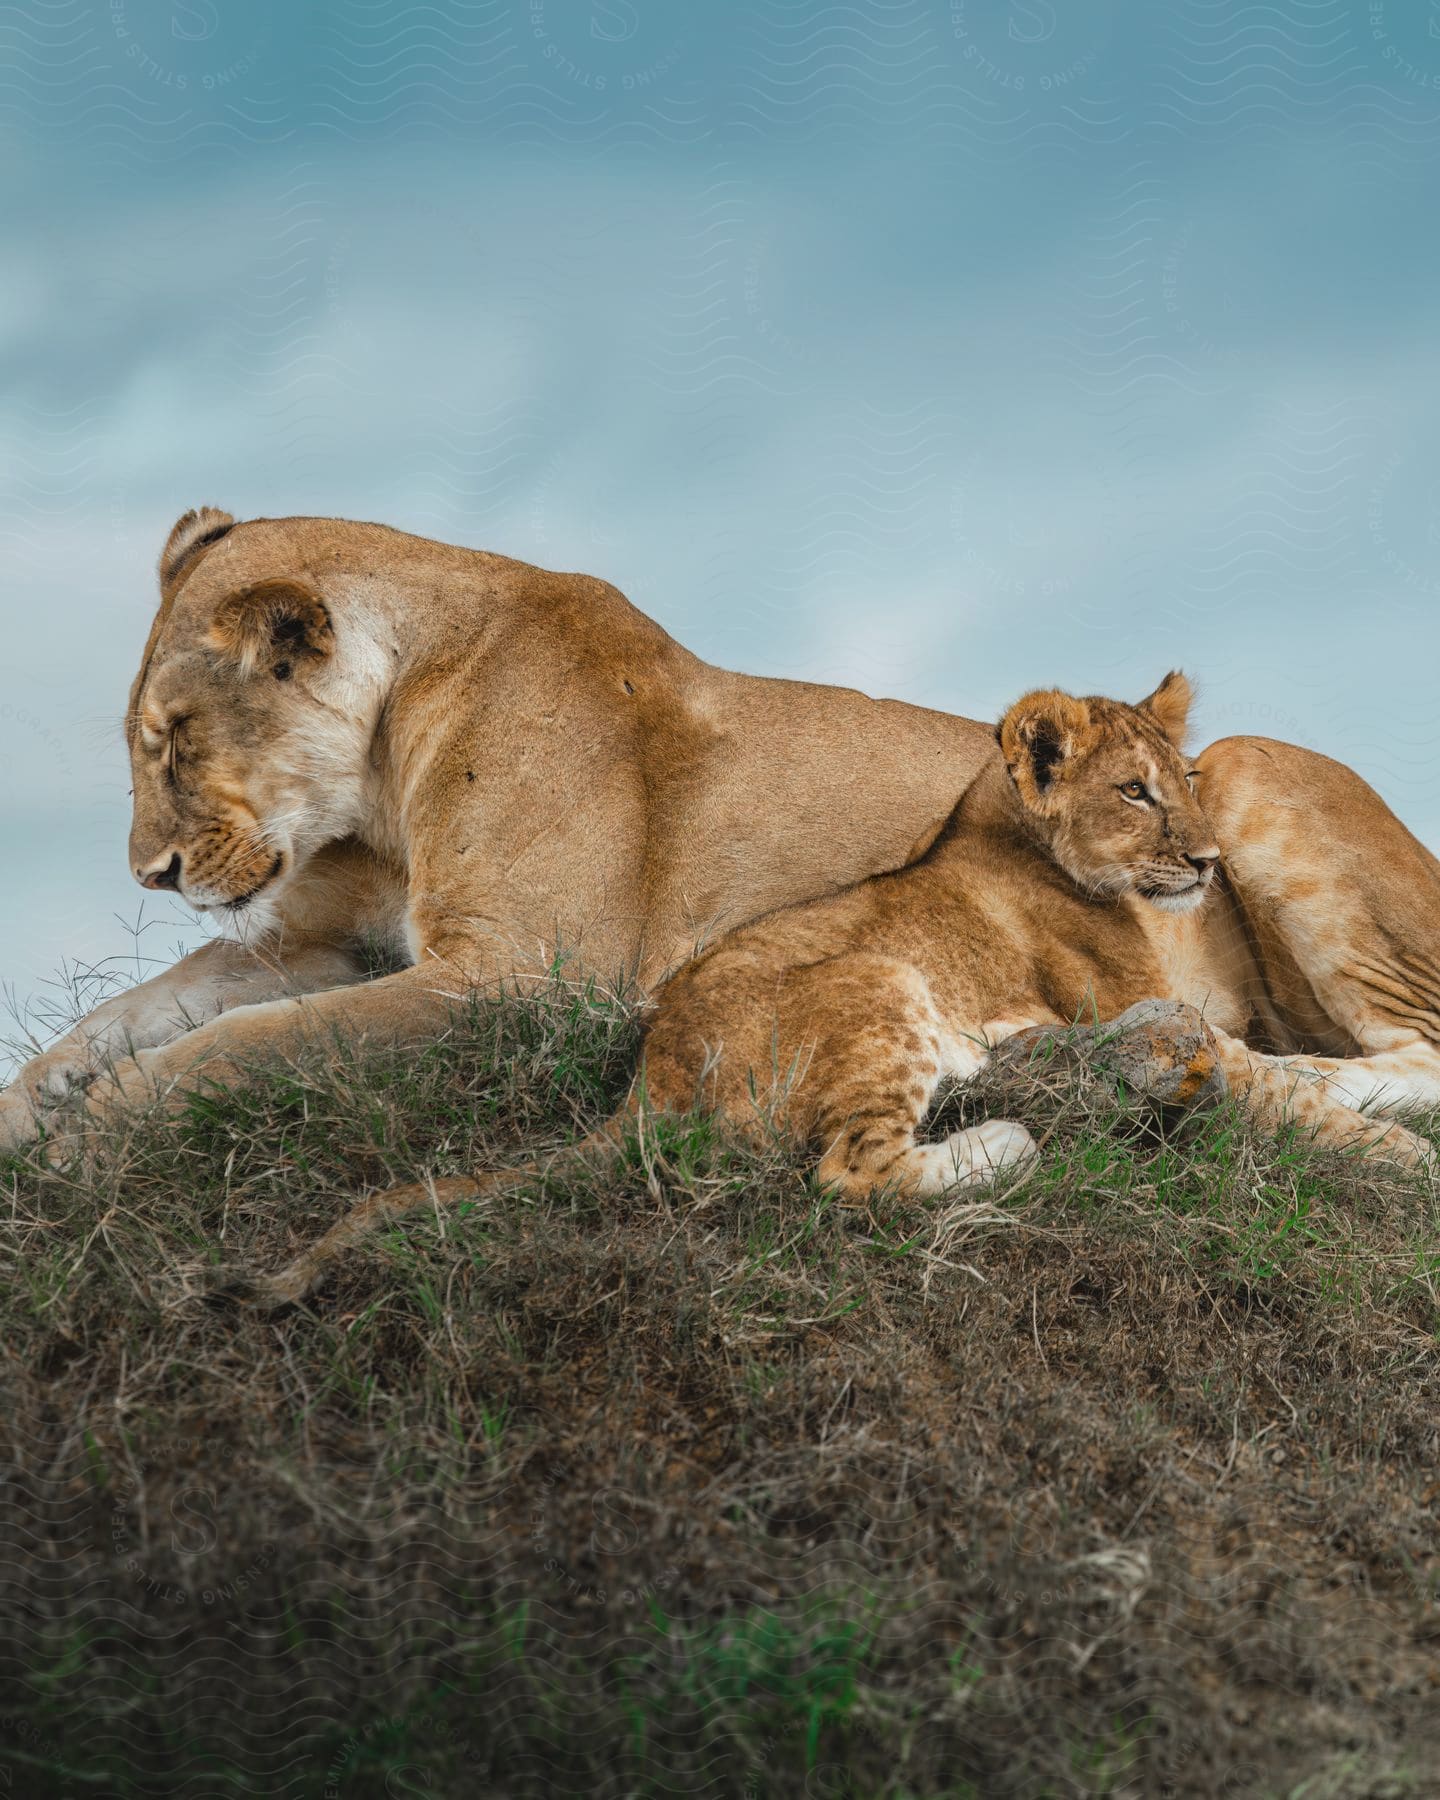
column 672, row 1476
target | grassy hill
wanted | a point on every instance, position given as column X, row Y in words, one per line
column 671, row 1475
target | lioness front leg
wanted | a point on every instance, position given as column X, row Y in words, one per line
column 220, row 978
column 1283, row 1090
column 1341, row 907
column 410, row 1006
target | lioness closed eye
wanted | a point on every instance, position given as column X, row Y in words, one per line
column 1072, row 879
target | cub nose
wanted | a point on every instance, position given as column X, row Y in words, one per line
column 1202, row 861
column 157, row 877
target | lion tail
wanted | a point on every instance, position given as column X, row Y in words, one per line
column 304, row 1274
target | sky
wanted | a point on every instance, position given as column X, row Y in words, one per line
column 937, row 348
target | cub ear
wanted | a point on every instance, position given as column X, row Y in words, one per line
column 191, row 533
column 1170, row 704
column 1037, row 737
column 279, row 620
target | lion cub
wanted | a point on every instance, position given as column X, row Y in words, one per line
column 1062, row 886
column 1070, row 882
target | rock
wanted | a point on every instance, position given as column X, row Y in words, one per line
column 1159, row 1051
column 1164, row 1050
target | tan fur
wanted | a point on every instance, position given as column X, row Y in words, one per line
column 834, row 1020
column 475, row 763
column 1039, row 903
column 479, row 764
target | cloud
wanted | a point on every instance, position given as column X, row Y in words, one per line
column 844, row 358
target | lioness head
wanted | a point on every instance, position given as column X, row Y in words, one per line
column 244, row 747
column 1106, row 787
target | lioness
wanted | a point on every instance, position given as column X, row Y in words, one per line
column 343, row 736
column 1070, row 881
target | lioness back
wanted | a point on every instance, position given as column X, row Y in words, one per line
column 534, row 764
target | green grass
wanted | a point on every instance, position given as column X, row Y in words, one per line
column 671, row 1474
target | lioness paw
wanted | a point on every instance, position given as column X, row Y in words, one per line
column 17, row 1119
column 1393, row 1143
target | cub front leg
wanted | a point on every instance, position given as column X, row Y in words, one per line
column 886, row 1047
column 210, row 982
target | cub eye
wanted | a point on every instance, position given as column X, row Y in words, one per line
column 1134, row 790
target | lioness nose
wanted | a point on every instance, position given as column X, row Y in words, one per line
column 156, row 877
column 1202, row 860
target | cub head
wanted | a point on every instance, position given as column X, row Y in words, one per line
column 246, row 753
column 1105, row 786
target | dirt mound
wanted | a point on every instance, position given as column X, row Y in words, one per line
column 674, row 1476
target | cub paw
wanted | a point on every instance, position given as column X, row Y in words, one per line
column 985, row 1151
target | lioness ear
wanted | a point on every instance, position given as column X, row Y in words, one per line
column 1170, row 704
column 1037, row 736
column 191, row 533
column 279, row 620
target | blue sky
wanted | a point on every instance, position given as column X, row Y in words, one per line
column 932, row 347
